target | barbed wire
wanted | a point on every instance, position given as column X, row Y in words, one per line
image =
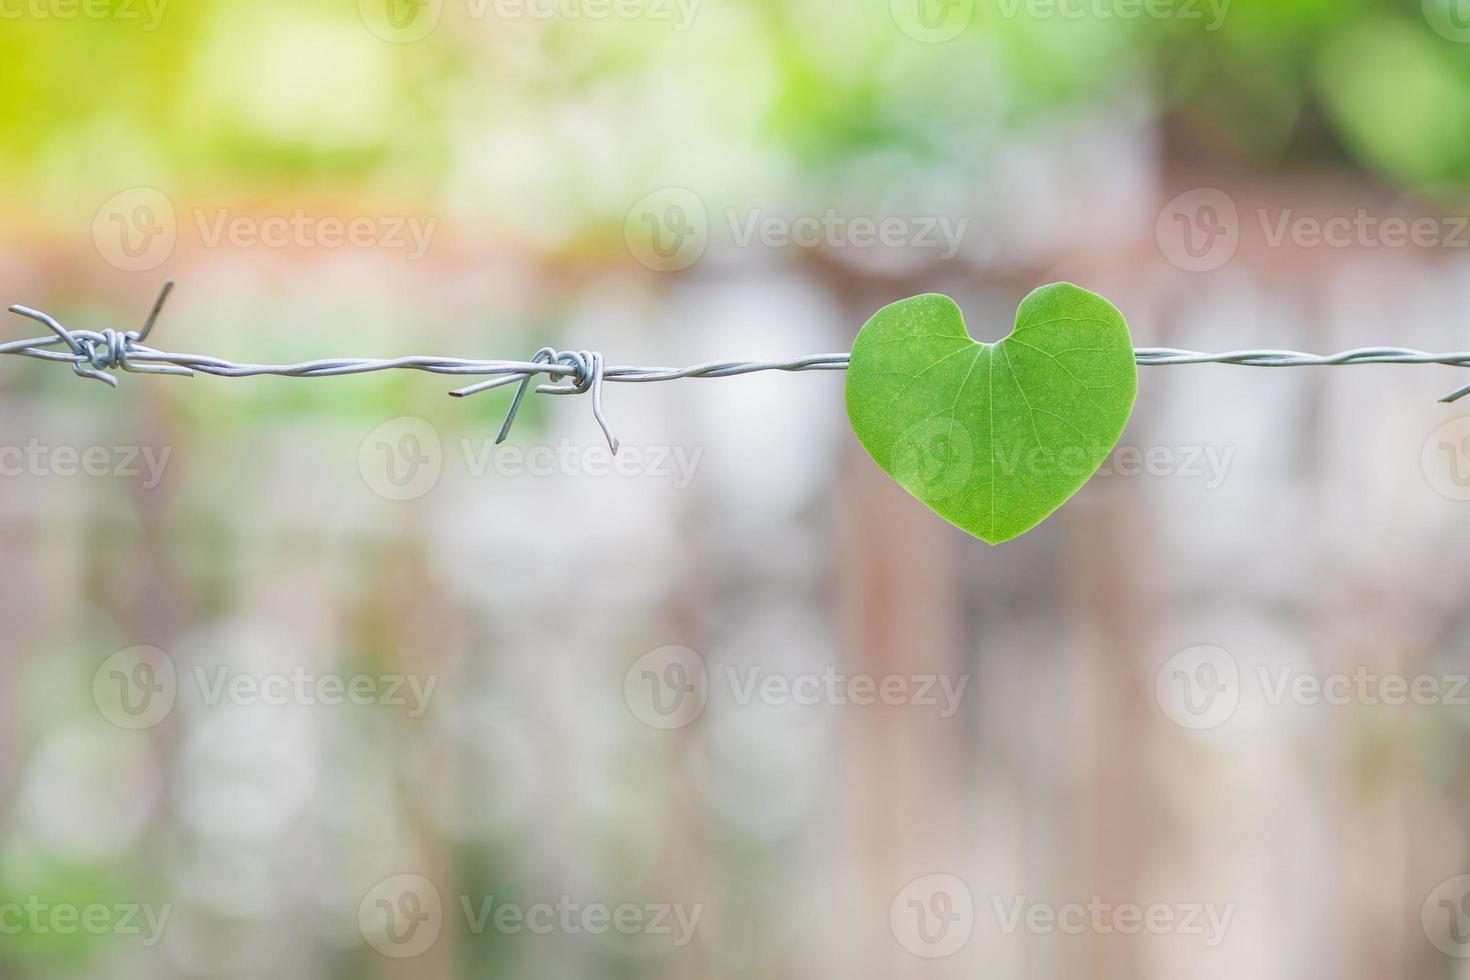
column 94, row 354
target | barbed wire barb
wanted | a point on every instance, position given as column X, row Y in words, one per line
column 96, row 354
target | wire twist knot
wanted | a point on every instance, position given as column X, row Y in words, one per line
column 95, row 353
column 583, row 371
column 107, row 350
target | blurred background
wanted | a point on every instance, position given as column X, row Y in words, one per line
column 310, row 679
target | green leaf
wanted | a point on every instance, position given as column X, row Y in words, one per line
column 993, row 437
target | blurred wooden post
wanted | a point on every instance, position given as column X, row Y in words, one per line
column 903, row 791
column 1109, row 597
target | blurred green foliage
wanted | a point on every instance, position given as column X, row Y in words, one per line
column 279, row 93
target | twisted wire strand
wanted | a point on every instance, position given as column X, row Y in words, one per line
column 95, row 354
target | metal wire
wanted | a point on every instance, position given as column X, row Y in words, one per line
column 94, row 354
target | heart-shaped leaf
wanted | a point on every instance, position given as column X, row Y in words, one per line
column 993, row 437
